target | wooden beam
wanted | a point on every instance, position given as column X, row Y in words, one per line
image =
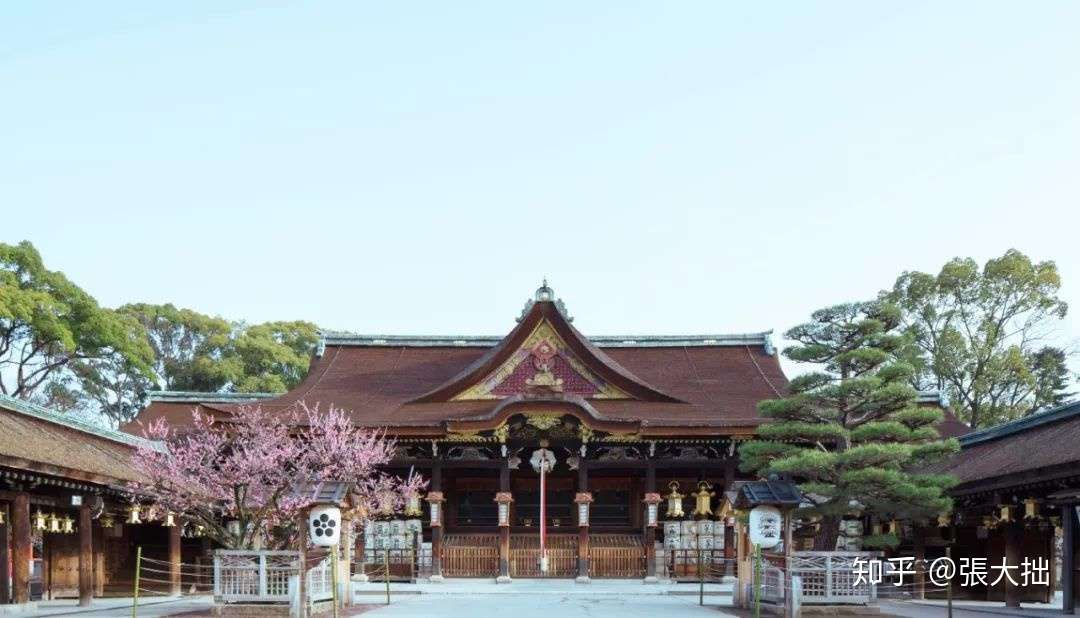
column 22, row 551
column 86, row 555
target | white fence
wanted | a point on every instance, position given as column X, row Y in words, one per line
column 828, row 577
column 265, row 576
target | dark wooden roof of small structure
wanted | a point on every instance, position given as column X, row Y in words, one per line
column 1043, row 446
column 775, row 493
column 39, row 440
column 703, row 384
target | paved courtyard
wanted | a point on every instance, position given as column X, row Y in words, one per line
column 546, row 606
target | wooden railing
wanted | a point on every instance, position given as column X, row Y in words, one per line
column 616, row 556
column 477, row 555
column 525, row 555
column 470, row 555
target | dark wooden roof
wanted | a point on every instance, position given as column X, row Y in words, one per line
column 1038, row 447
column 705, row 384
column 39, row 440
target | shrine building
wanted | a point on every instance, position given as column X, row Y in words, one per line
column 620, row 419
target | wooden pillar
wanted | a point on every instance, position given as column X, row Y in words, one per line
column 5, row 557
column 1068, row 559
column 22, row 551
column 504, row 530
column 650, row 530
column 436, row 526
column 86, row 555
column 1014, row 537
column 301, row 584
column 174, row 560
column 920, row 557
column 99, row 561
column 584, row 497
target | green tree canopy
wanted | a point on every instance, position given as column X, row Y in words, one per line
column 51, row 330
column 976, row 335
column 851, row 432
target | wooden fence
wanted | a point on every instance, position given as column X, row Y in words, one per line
column 266, row 576
column 828, row 577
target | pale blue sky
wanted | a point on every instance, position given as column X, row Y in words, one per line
column 403, row 167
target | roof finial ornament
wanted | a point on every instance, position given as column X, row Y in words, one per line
column 544, row 294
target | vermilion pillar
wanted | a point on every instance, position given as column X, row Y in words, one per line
column 174, row 560
column 503, row 499
column 435, row 501
column 652, row 503
column 583, row 499
column 86, row 555
column 22, row 552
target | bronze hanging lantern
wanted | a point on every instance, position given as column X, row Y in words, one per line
column 41, row 522
column 1006, row 514
column 133, row 515
column 54, row 523
column 412, row 505
column 674, row 502
column 67, row 525
column 1031, row 509
column 170, row 520
column 703, row 499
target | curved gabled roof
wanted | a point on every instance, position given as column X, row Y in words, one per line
column 705, row 384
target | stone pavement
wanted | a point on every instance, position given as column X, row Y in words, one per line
column 526, row 605
column 967, row 609
column 119, row 607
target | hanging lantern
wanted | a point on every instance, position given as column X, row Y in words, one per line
column 170, row 520
column 583, row 499
column 41, row 522
column 54, row 523
column 133, row 515
column 674, row 502
column 989, row 522
column 412, row 505
column 107, row 521
column 652, row 506
column 503, row 500
column 1006, row 513
column 67, row 525
column 3, row 516
column 876, row 529
column 1031, row 509
column 703, row 499
column 200, row 530
column 943, row 520
column 894, row 528
column 435, row 499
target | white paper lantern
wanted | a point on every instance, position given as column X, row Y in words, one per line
column 324, row 525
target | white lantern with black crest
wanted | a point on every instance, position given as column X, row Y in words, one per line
column 324, row 525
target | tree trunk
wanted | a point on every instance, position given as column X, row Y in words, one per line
column 828, row 534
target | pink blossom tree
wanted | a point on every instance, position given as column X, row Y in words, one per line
column 248, row 470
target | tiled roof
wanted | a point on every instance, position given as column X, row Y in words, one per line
column 708, row 380
column 40, row 440
column 1043, row 441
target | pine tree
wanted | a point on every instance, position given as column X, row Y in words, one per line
column 851, row 432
